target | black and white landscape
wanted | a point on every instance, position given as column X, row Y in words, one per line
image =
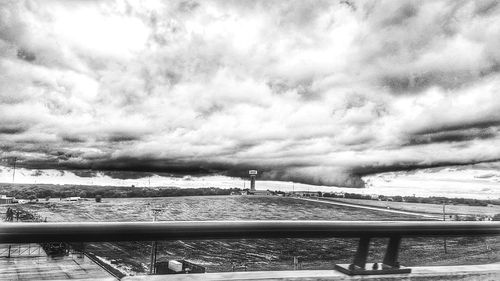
column 328, row 93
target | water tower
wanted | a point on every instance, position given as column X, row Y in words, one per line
column 253, row 174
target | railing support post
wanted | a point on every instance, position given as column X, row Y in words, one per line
column 390, row 265
column 153, row 258
column 361, row 253
column 392, row 253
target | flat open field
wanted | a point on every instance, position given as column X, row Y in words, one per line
column 424, row 207
column 260, row 254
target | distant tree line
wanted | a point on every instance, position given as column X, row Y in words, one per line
column 33, row 191
column 47, row 191
column 416, row 199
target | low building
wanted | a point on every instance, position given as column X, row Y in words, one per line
column 6, row 200
column 307, row 193
column 339, row 194
column 260, row 192
column 75, row 198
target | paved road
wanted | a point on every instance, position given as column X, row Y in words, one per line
column 436, row 217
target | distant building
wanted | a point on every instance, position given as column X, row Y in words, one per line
column 307, row 193
column 6, row 200
column 339, row 194
column 260, row 192
column 75, row 198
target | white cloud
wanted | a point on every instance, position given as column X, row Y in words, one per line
column 320, row 92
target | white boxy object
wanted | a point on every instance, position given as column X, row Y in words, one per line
column 175, row 266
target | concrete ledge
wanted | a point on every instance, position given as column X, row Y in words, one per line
column 466, row 272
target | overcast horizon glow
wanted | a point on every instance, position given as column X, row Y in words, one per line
column 320, row 92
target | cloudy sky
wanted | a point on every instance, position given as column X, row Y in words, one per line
column 319, row 92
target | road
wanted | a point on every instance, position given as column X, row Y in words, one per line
column 435, row 217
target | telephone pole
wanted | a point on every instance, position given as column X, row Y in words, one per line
column 14, row 172
column 156, row 211
column 444, row 219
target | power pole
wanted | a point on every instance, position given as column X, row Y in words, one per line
column 14, row 172
column 444, row 219
column 156, row 212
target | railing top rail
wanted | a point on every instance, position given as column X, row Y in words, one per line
column 184, row 230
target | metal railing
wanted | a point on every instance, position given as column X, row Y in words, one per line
column 208, row 230
column 21, row 250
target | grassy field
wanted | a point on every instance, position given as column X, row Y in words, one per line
column 259, row 254
column 424, row 207
column 204, row 208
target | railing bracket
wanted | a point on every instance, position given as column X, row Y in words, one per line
column 390, row 265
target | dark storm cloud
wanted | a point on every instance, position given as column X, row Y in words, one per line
column 485, row 7
column 85, row 173
column 409, row 166
column 341, row 179
column 449, row 137
column 417, row 82
column 149, row 165
column 73, row 139
column 462, row 126
column 127, row 174
column 11, row 130
column 318, row 92
column 117, row 137
column 453, row 136
column 26, row 55
column 402, row 14
column 412, row 84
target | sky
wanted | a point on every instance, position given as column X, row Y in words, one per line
column 472, row 181
column 316, row 92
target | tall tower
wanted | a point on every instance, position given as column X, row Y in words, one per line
column 253, row 174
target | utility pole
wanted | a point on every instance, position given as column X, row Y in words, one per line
column 14, row 172
column 10, row 160
column 156, row 212
column 444, row 219
column 444, row 211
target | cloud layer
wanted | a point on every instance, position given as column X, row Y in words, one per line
column 320, row 92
